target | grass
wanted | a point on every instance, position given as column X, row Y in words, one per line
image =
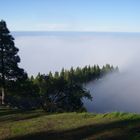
column 36, row 125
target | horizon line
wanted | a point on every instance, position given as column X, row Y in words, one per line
column 74, row 31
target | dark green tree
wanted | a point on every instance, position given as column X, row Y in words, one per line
column 9, row 70
column 62, row 73
column 64, row 90
column 61, row 95
column 24, row 95
column 56, row 75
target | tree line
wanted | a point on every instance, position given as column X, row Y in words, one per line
column 54, row 92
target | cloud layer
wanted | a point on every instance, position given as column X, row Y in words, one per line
column 42, row 53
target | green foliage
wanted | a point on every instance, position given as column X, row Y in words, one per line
column 23, row 95
column 9, row 69
column 64, row 91
column 8, row 55
column 85, row 74
column 58, row 91
column 58, row 94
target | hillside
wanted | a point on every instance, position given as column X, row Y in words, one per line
column 18, row 125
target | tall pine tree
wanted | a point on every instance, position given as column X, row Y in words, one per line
column 9, row 70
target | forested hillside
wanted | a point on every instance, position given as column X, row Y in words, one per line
column 61, row 91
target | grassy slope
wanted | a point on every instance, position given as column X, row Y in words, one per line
column 15, row 125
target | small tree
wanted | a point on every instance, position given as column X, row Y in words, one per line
column 9, row 70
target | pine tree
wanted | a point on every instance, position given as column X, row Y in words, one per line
column 62, row 73
column 9, row 70
column 56, row 75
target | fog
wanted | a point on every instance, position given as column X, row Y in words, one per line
column 116, row 92
column 42, row 52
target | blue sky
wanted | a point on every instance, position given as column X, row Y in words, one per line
column 72, row 15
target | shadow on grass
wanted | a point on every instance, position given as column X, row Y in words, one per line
column 94, row 131
column 15, row 118
column 17, row 115
column 4, row 112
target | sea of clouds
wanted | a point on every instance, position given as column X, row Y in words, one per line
column 45, row 52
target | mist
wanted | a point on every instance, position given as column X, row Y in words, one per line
column 116, row 91
column 50, row 51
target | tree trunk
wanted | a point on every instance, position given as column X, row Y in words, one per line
column 2, row 96
column 3, row 76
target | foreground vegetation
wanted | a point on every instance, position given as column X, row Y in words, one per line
column 19, row 125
